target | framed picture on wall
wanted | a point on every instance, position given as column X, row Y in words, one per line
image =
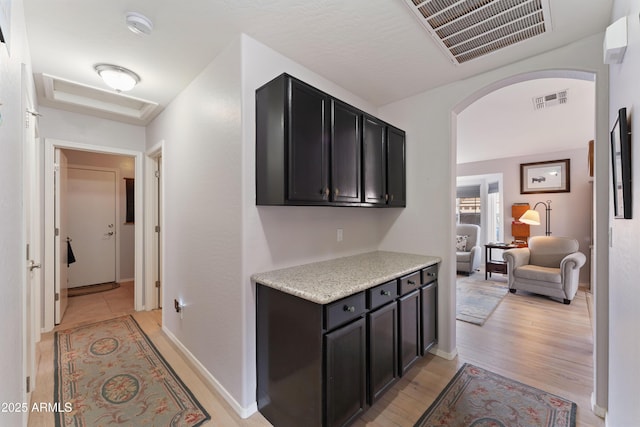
column 621, row 166
column 545, row 177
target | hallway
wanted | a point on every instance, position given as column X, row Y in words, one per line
column 114, row 303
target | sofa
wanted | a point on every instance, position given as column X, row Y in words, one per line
column 467, row 250
column 549, row 266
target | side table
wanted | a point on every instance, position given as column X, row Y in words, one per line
column 493, row 265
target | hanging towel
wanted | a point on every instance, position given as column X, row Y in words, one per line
column 70, row 257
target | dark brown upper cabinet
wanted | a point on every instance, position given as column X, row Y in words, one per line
column 313, row 149
column 346, row 138
column 383, row 148
column 396, row 173
column 374, row 161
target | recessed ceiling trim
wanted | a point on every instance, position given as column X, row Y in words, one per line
column 61, row 93
column 468, row 29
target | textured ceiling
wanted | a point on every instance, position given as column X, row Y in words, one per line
column 374, row 48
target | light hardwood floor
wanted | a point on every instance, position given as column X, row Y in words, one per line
column 529, row 338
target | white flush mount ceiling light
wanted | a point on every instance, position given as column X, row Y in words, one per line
column 138, row 23
column 116, row 77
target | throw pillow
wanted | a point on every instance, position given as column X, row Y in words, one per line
column 461, row 243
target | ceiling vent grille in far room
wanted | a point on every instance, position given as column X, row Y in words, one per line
column 545, row 101
column 468, row 29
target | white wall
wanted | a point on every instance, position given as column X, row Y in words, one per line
column 427, row 224
column 624, row 350
column 12, row 263
column 85, row 129
column 126, row 169
column 276, row 237
column 218, row 237
column 570, row 212
column 202, row 208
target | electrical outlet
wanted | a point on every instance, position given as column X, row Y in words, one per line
column 340, row 233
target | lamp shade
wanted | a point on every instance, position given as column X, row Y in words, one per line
column 118, row 78
column 530, row 217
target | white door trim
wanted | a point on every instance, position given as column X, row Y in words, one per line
column 151, row 255
column 50, row 145
column 31, row 279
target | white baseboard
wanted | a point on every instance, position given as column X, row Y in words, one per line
column 598, row 410
column 444, row 354
column 209, row 380
column 126, row 280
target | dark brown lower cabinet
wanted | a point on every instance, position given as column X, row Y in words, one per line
column 409, row 330
column 382, row 327
column 346, row 375
column 324, row 365
column 429, row 315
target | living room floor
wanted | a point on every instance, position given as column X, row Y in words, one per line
column 528, row 338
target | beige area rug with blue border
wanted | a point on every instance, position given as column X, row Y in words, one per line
column 476, row 299
column 110, row 373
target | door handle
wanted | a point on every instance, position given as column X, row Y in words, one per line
column 33, row 265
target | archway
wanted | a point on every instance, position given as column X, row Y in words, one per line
column 599, row 267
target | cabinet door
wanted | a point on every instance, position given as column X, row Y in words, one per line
column 308, row 168
column 345, row 373
column 374, row 161
column 429, row 301
column 345, row 153
column 396, row 175
column 409, row 330
column 383, row 349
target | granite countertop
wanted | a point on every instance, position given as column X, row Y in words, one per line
column 327, row 281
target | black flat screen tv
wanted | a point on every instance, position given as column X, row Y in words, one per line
column 621, row 166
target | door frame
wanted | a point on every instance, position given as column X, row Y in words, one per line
column 50, row 144
column 32, row 233
column 151, row 201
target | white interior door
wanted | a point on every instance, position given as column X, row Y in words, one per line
column 61, row 234
column 92, row 226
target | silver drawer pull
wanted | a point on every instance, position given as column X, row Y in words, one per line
column 411, row 282
column 349, row 308
column 430, row 274
column 386, row 293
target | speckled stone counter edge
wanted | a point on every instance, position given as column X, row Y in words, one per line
column 327, row 281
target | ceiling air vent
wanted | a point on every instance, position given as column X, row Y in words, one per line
column 468, row 29
column 546, row 101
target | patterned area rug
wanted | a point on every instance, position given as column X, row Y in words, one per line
column 109, row 373
column 476, row 300
column 476, row 397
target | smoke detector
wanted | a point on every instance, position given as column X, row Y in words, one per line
column 138, row 23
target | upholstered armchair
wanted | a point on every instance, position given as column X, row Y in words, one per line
column 549, row 266
column 467, row 249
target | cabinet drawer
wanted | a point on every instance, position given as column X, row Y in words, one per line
column 430, row 274
column 344, row 310
column 409, row 283
column 382, row 294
